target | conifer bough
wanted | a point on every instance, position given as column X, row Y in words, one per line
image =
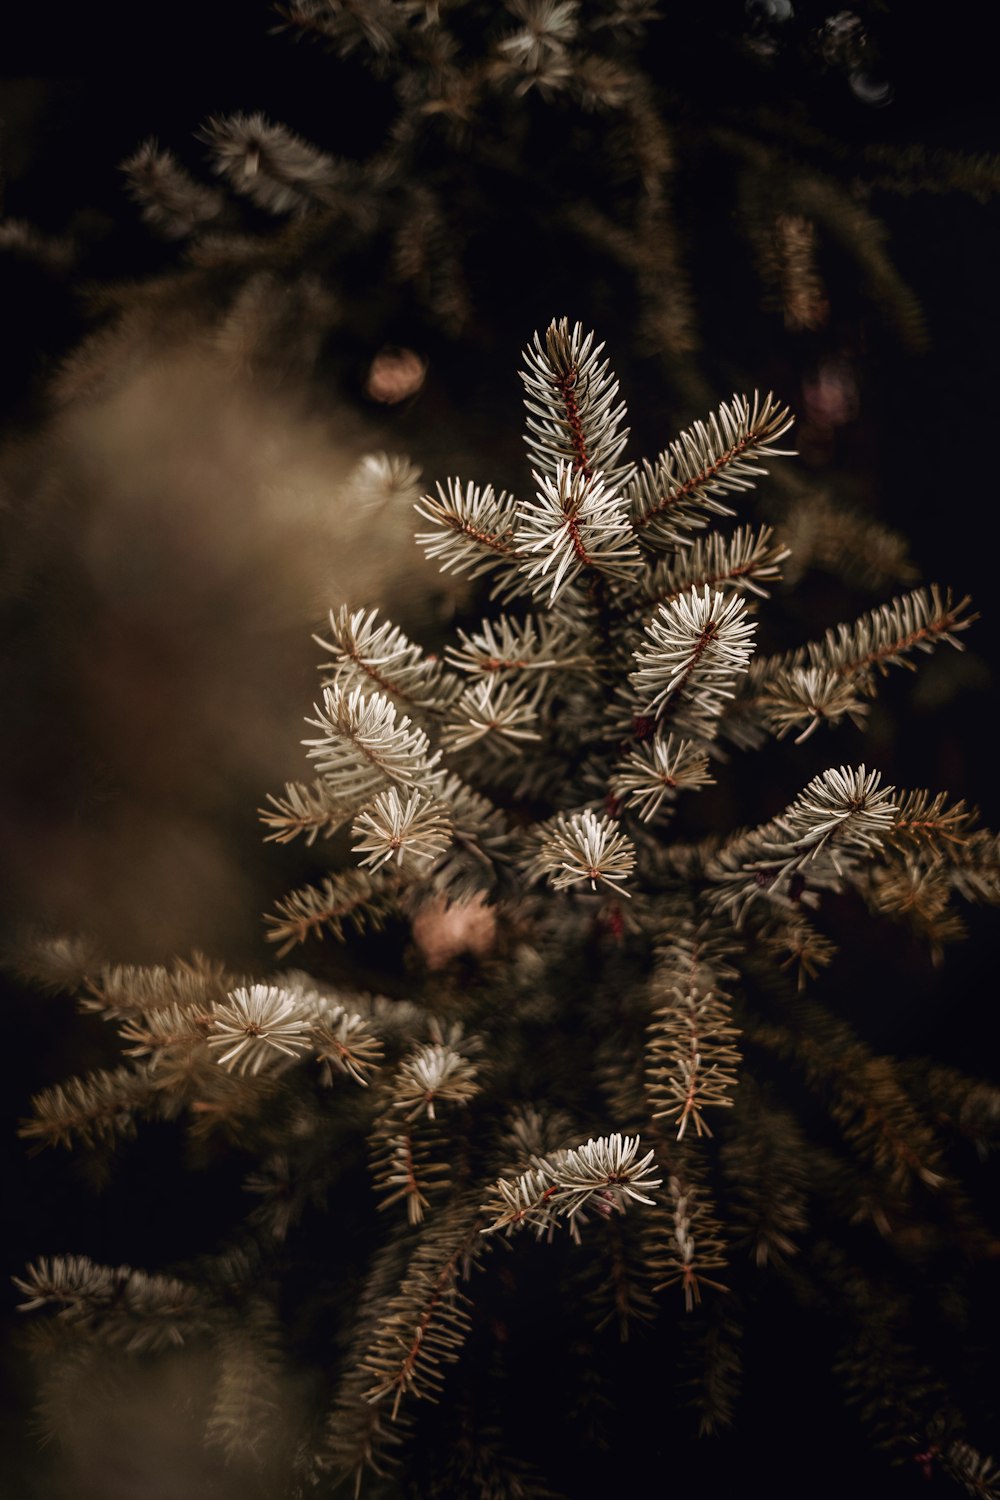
column 588, row 1071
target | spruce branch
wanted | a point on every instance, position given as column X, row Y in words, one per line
column 480, row 845
column 696, row 649
column 932, row 822
column 427, row 1322
column 123, row 990
column 841, row 817
column 247, row 1402
column 539, row 649
column 157, row 1033
column 358, row 1435
column 97, row 1107
column 380, row 658
column 255, row 1023
column 573, row 423
column 376, row 25
column 604, row 1175
column 691, row 1059
column 169, row 197
column 272, row 166
column 473, row 530
column 432, row 1074
column 684, row 1239
column 569, row 716
column 343, row 1041
column 826, row 680
column 747, row 560
column 681, row 492
column 536, row 53
column 865, row 1095
column 576, row 525
column 383, row 479
column 363, row 748
column 410, row 833
column 797, row 945
column 132, row 1309
column 581, row 847
column 409, row 1165
column 765, row 1159
column 348, row 899
column 497, row 716
column 803, row 698
column 307, row 811
column 654, row 774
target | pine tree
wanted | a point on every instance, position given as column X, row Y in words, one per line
column 629, row 1067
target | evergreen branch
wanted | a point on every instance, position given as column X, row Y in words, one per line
column 312, row 811
column 695, row 650
column 828, row 679
column 124, row 990
column 766, row 1165
column 718, row 1379
column 841, row 816
column 343, row 1041
column 498, row 716
column 349, row 898
column 847, row 543
column 255, row 1023
column 809, row 696
column 862, row 235
column 885, row 636
column 956, row 1104
column 410, row 833
column 975, row 868
column 580, row 847
column 540, row 649
column 931, row 822
column 98, row 1107
column 380, row 657
column 914, row 169
column 691, row 1059
column 680, row 492
column 427, row 1322
column 246, row 1404
column 573, row 424
column 978, row 1473
column 375, row 25
column 362, row 747
column 684, row 1239
column 864, row 1093
column 604, row 1175
column 480, row 843
column 657, row 771
column 616, row 1287
column 382, row 479
column 804, row 301
column 537, row 53
column 746, row 560
column 796, row 944
column 904, row 889
column 156, row 1033
column 473, row 530
column 169, row 197
column 358, row 1436
column 128, row 1308
column 577, row 523
column 409, row 1165
column 272, row 166
column 433, row 1073
column 531, row 1131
